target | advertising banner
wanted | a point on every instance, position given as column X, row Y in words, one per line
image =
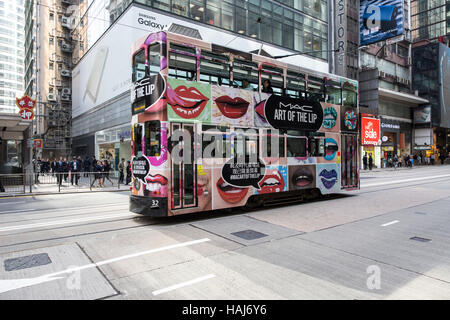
column 422, row 114
column 380, row 20
column 370, row 131
column 26, row 107
column 349, row 119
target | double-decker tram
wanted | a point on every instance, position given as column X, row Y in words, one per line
column 208, row 134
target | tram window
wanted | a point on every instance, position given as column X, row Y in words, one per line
column 316, row 147
column 152, row 138
column 154, row 58
column 315, row 88
column 349, row 95
column 275, row 76
column 247, row 146
column 245, row 70
column 182, row 66
column 295, row 85
column 214, row 69
column 139, row 65
column 267, row 146
column 296, row 146
column 137, row 138
column 334, row 92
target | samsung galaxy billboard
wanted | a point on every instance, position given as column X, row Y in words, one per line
column 380, row 20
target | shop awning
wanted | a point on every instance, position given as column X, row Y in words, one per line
column 402, row 97
column 12, row 126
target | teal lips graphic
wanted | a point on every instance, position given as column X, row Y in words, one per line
column 329, row 117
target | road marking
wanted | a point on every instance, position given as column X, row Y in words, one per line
column 12, row 202
column 389, row 223
column 17, row 211
column 183, row 284
column 13, row 284
column 59, row 222
column 404, row 180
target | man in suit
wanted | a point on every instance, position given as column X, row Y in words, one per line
column 75, row 168
column 59, row 170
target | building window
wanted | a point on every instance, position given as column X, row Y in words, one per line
column 50, row 66
column 50, row 40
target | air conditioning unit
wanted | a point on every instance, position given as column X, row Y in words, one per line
column 65, row 97
column 66, row 47
column 51, row 97
column 385, row 51
column 66, row 91
column 65, row 22
column 52, row 123
column 65, row 73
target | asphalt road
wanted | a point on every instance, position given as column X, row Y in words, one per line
column 389, row 240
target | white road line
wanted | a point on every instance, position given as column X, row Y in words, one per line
column 401, row 181
column 13, row 284
column 17, row 211
column 183, row 284
column 389, row 223
column 18, row 202
column 59, row 222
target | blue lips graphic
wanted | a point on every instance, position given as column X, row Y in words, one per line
column 331, row 149
column 329, row 178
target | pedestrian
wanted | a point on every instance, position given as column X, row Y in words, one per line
column 128, row 177
column 59, row 169
column 442, row 158
column 53, row 166
column 121, row 169
column 106, row 170
column 432, row 159
column 365, row 161
column 86, row 166
column 411, row 160
column 419, row 159
column 98, row 168
column 267, row 86
column 395, row 162
column 75, row 168
column 370, row 161
column 66, row 169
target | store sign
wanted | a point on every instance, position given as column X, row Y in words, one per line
column 38, row 143
column 341, row 36
column 293, row 113
column 147, row 92
column 387, row 125
column 380, row 20
column 370, row 131
column 26, row 107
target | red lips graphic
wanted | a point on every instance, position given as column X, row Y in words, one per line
column 188, row 103
column 259, row 108
column 156, row 178
column 230, row 193
column 273, row 182
column 232, row 108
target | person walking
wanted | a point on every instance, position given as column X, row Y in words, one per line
column 98, row 168
column 395, row 162
column 75, row 168
column 106, row 170
column 59, row 170
column 365, row 161
column 370, row 161
column 86, row 167
column 411, row 160
column 128, row 178
column 442, row 158
column 121, row 169
column 432, row 159
column 53, row 166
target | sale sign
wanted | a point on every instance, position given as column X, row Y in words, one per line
column 370, row 131
column 26, row 107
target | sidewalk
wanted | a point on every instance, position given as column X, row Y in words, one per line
column 404, row 168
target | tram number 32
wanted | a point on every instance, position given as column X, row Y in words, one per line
column 155, row 204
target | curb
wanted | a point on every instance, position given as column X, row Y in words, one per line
column 55, row 193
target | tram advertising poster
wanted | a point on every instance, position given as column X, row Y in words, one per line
column 349, row 120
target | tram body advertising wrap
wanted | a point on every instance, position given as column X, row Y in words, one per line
column 206, row 136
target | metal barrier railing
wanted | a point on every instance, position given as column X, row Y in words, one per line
column 61, row 182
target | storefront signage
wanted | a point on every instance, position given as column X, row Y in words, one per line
column 26, row 107
column 370, row 131
column 341, row 36
column 387, row 125
column 38, row 143
column 293, row 113
column 147, row 92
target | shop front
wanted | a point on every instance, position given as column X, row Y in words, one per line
column 396, row 140
column 113, row 144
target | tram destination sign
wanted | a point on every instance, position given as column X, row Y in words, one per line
column 146, row 92
column 293, row 113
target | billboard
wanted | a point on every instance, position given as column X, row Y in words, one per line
column 370, row 131
column 380, row 20
column 444, row 72
column 105, row 70
column 422, row 114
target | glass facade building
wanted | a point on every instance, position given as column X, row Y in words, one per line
column 300, row 25
column 11, row 54
column 430, row 19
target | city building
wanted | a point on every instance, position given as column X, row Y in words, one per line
column 430, row 20
column 48, row 65
column 101, row 78
column 14, row 131
column 431, row 79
